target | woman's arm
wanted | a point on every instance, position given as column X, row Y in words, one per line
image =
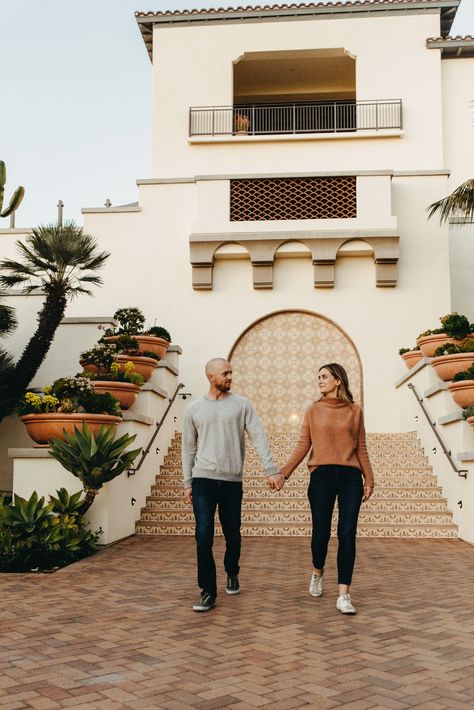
column 363, row 454
column 302, row 447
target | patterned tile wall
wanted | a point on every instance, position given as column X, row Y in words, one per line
column 276, row 364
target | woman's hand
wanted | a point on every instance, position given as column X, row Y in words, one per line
column 368, row 490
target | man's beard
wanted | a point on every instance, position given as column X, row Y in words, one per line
column 223, row 388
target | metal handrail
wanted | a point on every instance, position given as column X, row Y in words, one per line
column 132, row 471
column 460, row 471
column 297, row 117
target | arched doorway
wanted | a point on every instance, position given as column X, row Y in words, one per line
column 276, row 361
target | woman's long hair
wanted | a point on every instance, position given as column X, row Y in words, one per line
column 337, row 371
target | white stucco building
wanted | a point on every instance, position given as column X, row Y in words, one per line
column 295, row 151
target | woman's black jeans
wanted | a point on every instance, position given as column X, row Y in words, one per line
column 328, row 483
column 226, row 496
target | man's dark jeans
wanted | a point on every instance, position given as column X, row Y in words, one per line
column 328, row 483
column 226, row 496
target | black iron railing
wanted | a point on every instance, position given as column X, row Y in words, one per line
column 261, row 119
column 460, row 471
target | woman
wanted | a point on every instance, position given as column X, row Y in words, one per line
column 333, row 428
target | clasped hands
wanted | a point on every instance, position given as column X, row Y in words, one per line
column 277, row 481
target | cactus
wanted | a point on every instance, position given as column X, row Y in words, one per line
column 17, row 195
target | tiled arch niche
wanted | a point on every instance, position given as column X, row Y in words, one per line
column 323, row 247
column 276, row 361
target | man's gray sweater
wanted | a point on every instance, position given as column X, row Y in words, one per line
column 213, row 443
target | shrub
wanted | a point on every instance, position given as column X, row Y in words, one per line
column 130, row 320
column 464, row 375
column 116, row 374
column 402, row 351
column 38, row 536
column 101, row 355
column 69, row 395
column 465, row 346
column 468, row 412
column 159, row 332
column 455, row 325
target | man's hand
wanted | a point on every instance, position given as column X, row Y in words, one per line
column 188, row 495
column 368, row 490
column 277, row 481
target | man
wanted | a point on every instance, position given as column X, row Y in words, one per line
column 213, row 451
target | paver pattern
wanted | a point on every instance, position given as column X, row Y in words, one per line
column 117, row 630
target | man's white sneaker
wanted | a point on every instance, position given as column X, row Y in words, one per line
column 344, row 604
column 316, row 585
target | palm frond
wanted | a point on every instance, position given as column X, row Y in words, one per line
column 8, row 321
column 458, row 205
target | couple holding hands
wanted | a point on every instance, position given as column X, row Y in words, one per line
column 213, row 450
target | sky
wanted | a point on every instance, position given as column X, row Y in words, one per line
column 75, row 101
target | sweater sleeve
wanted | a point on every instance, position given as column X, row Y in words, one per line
column 363, row 455
column 302, row 447
column 254, row 428
column 188, row 448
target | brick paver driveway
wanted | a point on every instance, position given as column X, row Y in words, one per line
column 117, row 631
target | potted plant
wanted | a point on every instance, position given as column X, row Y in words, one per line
column 241, row 123
column 462, row 387
column 455, row 327
column 450, row 359
column 67, row 403
column 468, row 415
column 94, row 459
column 123, row 383
column 123, row 349
column 411, row 356
column 131, row 323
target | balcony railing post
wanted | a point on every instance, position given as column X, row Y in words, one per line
column 335, row 117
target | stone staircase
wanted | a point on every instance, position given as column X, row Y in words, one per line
column 407, row 501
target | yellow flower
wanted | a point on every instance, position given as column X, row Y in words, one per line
column 129, row 367
column 115, row 368
column 47, row 389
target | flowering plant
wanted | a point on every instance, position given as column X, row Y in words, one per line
column 101, row 355
column 116, row 374
column 69, row 395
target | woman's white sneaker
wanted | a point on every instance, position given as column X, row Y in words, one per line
column 344, row 604
column 316, row 585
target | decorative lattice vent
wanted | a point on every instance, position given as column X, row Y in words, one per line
column 293, row 198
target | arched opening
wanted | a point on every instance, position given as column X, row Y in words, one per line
column 276, row 361
column 232, row 267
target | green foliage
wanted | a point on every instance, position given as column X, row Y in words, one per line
column 459, row 204
column 468, row 412
column 464, row 375
column 158, row 332
column 101, row 355
column 402, row 351
column 464, row 346
column 435, row 331
column 37, row 535
column 16, row 198
column 149, row 353
column 116, row 374
column 94, row 460
column 455, row 325
column 130, row 320
column 69, row 395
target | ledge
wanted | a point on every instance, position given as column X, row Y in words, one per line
column 32, row 453
column 128, row 416
column 120, row 208
column 168, row 366
column 175, row 349
column 92, row 319
column 412, row 371
column 276, row 138
column 147, row 387
column 434, row 389
column 465, row 456
column 451, row 418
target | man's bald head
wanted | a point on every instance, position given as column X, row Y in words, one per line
column 215, row 365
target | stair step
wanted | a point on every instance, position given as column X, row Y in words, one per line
column 301, row 530
column 382, row 492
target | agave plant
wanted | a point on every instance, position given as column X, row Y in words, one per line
column 67, row 503
column 95, row 460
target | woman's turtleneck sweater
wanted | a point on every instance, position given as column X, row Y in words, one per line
column 335, row 433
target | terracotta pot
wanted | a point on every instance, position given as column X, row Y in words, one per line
column 412, row 357
column 43, row 427
column 446, row 366
column 429, row 343
column 463, row 392
column 145, row 366
column 470, row 420
column 88, row 367
column 153, row 344
column 126, row 392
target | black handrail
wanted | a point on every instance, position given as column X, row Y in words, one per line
column 460, row 471
column 132, row 471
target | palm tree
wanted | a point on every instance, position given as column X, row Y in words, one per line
column 59, row 262
column 459, row 204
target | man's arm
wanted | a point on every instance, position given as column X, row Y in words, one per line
column 188, row 452
column 254, row 428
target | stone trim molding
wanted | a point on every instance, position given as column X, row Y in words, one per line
column 323, row 246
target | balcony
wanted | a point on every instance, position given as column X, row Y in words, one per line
column 296, row 118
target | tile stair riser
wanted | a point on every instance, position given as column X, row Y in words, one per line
column 408, row 481
column 279, row 517
column 163, row 493
column 304, row 531
column 301, row 504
